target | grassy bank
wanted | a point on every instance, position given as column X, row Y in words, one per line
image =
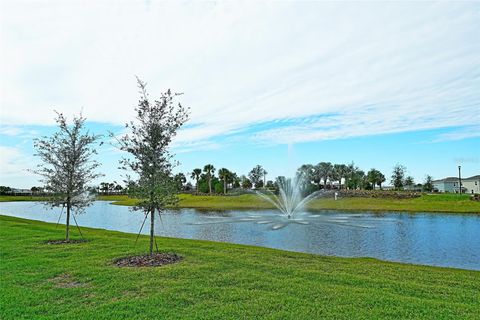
column 214, row 281
column 21, row 198
column 425, row 203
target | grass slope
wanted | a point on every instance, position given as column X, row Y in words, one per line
column 21, row 198
column 425, row 203
column 214, row 281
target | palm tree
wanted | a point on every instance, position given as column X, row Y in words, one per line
column 306, row 171
column 209, row 170
column 196, row 175
column 373, row 176
column 341, row 171
column 317, row 176
column 234, row 180
column 350, row 173
column 324, row 171
column 380, row 179
column 306, row 174
column 224, row 174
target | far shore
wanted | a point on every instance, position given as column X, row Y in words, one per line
column 434, row 203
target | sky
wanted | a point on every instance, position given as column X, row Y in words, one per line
column 278, row 84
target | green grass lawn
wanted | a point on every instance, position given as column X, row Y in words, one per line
column 214, row 281
column 425, row 203
column 21, row 198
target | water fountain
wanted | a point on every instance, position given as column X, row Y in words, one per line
column 291, row 205
column 289, row 199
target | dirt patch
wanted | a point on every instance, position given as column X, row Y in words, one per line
column 155, row 260
column 378, row 194
column 66, row 280
column 64, row 241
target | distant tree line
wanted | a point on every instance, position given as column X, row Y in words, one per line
column 323, row 175
column 110, row 188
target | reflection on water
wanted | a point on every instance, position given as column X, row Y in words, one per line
column 433, row 239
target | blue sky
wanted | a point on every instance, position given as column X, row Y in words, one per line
column 276, row 84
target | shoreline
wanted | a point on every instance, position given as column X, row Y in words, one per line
column 434, row 204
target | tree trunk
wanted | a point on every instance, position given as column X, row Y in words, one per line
column 210, row 186
column 224, row 185
column 67, row 237
column 197, row 186
column 152, row 233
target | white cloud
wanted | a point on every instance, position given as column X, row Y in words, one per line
column 14, row 165
column 10, row 131
column 15, row 131
column 377, row 67
column 460, row 134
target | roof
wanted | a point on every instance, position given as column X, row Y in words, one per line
column 455, row 179
column 448, row 179
column 477, row 177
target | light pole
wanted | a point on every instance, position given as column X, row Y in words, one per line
column 459, row 179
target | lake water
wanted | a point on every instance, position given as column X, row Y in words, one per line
column 450, row 240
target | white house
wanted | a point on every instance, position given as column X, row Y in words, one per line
column 472, row 184
column 451, row 184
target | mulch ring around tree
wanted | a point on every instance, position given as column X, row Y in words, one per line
column 74, row 241
column 155, row 260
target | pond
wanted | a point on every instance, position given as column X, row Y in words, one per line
column 449, row 240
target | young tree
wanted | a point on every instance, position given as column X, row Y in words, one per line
column 428, row 183
column 409, row 182
column 148, row 143
column 398, row 176
column 67, row 166
column 256, row 175
column 196, row 175
column 209, row 170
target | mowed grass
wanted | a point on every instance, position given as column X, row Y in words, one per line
column 426, row 203
column 21, row 198
column 214, row 281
